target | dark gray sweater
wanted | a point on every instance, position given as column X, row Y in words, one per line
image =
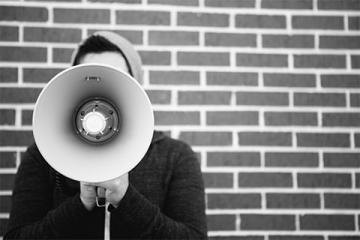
column 165, row 199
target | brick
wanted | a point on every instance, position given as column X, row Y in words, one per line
column 43, row 34
column 295, row 237
column 155, row 57
column 203, row 58
column 143, row 17
column 207, row 138
column 86, row 16
column 177, row 118
column 19, row 95
column 318, row 22
column 287, row 4
column 218, row 180
column 264, row 179
column 26, row 117
column 324, row 180
column 62, row 55
column 202, row 19
column 267, row 222
column 233, row 200
column 22, row 54
column 341, row 159
column 319, row 61
column 232, row 118
column 355, row 61
column 175, row 2
column 260, row 21
column 291, row 159
column 357, row 139
column 7, row 160
column 290, row 118
column 118, row 1
column 261, row 60
column 340, row 119
column 23, row 14
column 39, row 75
column 7, row 116
column 220, row 222
column 289, row 80
column 7, row 181
column 204, row 97
column 340, row 81
column 135, row 37
column 174, row 77
column 332, row 222
column 292, row 201
column 323, row 139
column 288, row 41
column 179, row 38
column 233, row 159
column 262, row 98
column 319, row 99
column 357, row 180
column 3, row 225
column 159, row 96
column 354, row 99
column 230, row 3
column 337, row 237
column 230, row 39
column 9, row 33
column 265, row 138
column 8, row 75
column 354, row 23
column 16, row 138
column 245, row 237
column 342, row 200
column 232, row 78
column 5, row 205
column 340, row 42
column 339, row 5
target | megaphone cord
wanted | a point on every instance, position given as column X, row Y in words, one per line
column 107, row 222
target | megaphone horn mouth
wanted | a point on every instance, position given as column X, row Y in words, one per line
column 96, row 120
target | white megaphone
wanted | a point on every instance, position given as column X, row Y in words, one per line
column 93, row 123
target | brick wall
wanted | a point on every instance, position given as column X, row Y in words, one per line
column 266, row 92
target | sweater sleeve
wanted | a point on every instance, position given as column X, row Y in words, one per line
column 31, row 215
column 184, row 214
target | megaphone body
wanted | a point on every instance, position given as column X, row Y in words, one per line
column 100, row 116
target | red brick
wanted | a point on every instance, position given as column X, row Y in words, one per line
column 143, row 17
column 319, row 61
column 339, row 5
column 318, row 22
column 233, row 159
column 232, row 78
column 16, row 138
column 22, row 54
column 135, row 37
column 289, row 80
column 3, row 225
column 159, row 96
column 341, row 159
column 203, row 58
column 87, row 16
column 204, row 98
column 9, row 33
column 174, row 77
column 232, row 118
column 173, row 38
column 218, row 180
column 290, row 118
column 207, row 138
column 233, row 200
column 242, row 237
column 264, row 179
column 339, row 42
column 288, row 41
column 262, row 98
column 341, row 119
column 7, row 160
column 323, row 139
column 230, row 39
column 118, row 1
column 261, row 60
column 62, row 55
column 342, row 200
column 260, row 21
column 40, row 75
column 292, row 201
column 24, row 14
column 26, row 117
column 155, row 57
column 295, row 237
column 267, row 222
column 332, row 222
column 202, row 19
column 175, row 2
column 355, row 61
column 7, row 116
column 220, row 222
column 340, row 81
column 354, row 23
column 287, row 4
column 230, row 3
column 357, row 139
column 43, row 34
column 177, row 118
column 5, row 205
column 357, row 180
column 7, row 181
column 354, row 99
column 291, row 159
column 324, row 180
column 265, row 138
column 319, row 99
column 347, row 237
column 8, row 75
column 19, row 95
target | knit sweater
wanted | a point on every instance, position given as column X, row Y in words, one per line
column 164, row 200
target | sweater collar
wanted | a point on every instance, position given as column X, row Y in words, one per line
column 157, row 136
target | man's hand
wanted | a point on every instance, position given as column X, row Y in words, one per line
column 115, row 190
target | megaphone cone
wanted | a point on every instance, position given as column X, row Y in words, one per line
column 93, row 122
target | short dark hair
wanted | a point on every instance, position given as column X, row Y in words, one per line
column 98, row 44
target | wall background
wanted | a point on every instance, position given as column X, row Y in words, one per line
column 266, row 91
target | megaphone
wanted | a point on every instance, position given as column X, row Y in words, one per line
column 93, row 122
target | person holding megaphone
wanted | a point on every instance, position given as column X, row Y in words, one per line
column 103, row 152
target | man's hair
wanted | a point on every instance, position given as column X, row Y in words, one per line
column 98, row 44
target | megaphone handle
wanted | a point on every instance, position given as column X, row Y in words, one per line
column 100, row 201
column 107, row 222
